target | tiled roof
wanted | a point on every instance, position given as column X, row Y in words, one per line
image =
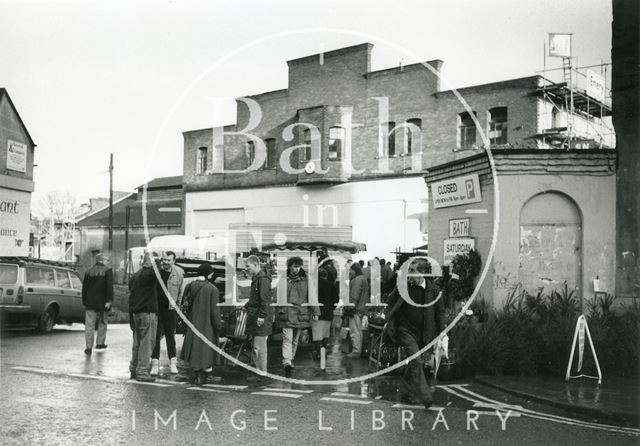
column 162, row 182
column 159, row 213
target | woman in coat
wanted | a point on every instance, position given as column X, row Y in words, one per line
column 204, row 314
column 259, row 314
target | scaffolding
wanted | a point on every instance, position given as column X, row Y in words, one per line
column 571, row 118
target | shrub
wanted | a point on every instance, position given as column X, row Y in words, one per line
column 532, row 334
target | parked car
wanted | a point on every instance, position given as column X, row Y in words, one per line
column 39, row 292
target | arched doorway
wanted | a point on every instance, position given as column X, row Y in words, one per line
column 550, row 243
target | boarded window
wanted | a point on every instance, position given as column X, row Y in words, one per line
column 550, row 243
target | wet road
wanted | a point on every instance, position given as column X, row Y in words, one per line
column 51, row 394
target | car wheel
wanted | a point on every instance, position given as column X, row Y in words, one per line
column 47, row 320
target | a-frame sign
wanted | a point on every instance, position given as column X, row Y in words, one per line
column 582, row 331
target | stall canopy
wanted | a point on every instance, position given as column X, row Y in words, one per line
column 306, row 245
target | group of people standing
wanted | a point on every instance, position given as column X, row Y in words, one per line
column 153, row 315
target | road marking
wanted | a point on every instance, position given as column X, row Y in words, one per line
column 168, row 381
column 494, row 413
column 155, row 384
column 276, row 389
column 498, row 406
column 348, row 395
column 98, row 377
column 35, row 370
column 203, row 389
column 416, row 406
column 284, row 395
column 345, row 400
column 469, row 395
column 225, row 386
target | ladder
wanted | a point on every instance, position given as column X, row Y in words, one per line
column 568, row 97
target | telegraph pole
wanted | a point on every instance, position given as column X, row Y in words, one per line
column 110, row 203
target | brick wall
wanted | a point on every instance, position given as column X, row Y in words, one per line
column 340, row 86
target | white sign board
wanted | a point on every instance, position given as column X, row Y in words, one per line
column 16, row 156
column 455, row 246
column 459, row 227
column 456, row 191
column 595, row 86
column 14, row 222
column 559, row 45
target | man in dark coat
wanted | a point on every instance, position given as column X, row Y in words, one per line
column 359, row 297
column 415, row 327
column 328, row 298
column 97, row 297
column 204, row 314
column 296, row 316
column 259, row 314
column 143, row 313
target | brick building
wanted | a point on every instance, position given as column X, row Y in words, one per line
column 16, row 179
column 164, row 204
column 364, row 139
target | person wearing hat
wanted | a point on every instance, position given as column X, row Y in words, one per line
column 203, row 312
column 97, row 297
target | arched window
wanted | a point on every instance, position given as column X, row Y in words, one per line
column 336, row 143
column 498, row 126
column 201, row 161
column 466, row 131
column 550, row 243
column 413, row 136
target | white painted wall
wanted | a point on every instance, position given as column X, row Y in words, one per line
column 376, row 210
column 15, row 211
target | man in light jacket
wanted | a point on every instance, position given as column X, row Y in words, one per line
column 172, row 277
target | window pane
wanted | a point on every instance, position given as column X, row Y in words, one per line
column 336, row 143
column 305, row 154
column 201, row 161
column 498, row 126
column 75, row 281
column 466, row 131
column 413, row 135
column 8, row 274
column 391, row 139
column 40, row 276
column 271, row 153
column 62, row 279
column 251, row 152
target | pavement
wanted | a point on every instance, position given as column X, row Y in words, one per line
column 616, row 400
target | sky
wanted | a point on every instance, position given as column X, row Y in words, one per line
column 90, row 78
